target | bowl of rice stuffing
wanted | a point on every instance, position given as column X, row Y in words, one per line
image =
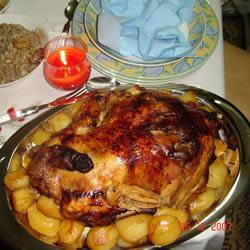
column 4, row 4
column 21, row 49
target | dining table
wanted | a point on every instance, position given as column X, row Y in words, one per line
column 34, row 89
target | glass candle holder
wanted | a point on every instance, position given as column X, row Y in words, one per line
column 66, row 65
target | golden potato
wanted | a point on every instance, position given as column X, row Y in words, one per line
column 48, row 207
column 220, row 147
column 124, row 244
column 70, row 231
column 59, row 121
column 197, row 217
column 204, row 201
column 231, row 160
column 40, row 136
column 81, row 241
column 230, row 157
column 164, row 229
column 217, row 174
column 49, row 240
column 17, row 179
column 15, row 163
column 206, row 108
column 188, row 97
column 73, row 109
column 46, row 127
column 41, row 223
column 133, row 229
column 180, row 214
column 102, row 238
column 134, row 91
column 22, row 199
column 26, row 160
column 219, row 192
column 54, row 141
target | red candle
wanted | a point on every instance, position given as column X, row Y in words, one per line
column 67, row 68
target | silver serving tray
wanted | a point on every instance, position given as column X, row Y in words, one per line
column 18, row 237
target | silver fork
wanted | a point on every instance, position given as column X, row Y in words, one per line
column 63, row 100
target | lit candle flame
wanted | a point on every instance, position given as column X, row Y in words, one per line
column 63, row 57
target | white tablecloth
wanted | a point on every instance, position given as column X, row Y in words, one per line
column 35, row 90
column 210, row 76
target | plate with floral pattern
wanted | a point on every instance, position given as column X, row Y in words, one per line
column 151, row 74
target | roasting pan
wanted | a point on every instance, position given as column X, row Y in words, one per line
column 16, row 235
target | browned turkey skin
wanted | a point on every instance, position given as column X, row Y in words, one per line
column 125, row 150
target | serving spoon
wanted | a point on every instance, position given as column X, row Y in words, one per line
column 69, row 13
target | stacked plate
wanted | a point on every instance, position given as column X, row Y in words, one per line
column 203, row 34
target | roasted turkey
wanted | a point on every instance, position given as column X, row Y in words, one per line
column 127, row 150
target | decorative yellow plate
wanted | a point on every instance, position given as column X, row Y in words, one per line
column 151, row 74
column 194, row 30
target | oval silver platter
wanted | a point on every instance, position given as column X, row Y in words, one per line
column 16, row 235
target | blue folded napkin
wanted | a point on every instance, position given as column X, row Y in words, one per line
column 148, row 29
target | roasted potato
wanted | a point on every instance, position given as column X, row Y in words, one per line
column 15, row 163
column 17, row 179
column 124, row 244
column 54, row 141
column 180, row 214
column 25, row 160
column 81, row 241
column 204, row 201
column 188, row 97
column 231, row 159
column 41, row 223
column 22, row 199
column 164, row 229
column 134, row 229
column 70, row 231
column 48, row 207
column 217, row 174
column 102, row 238
column 40, row 136
column 73, row 109
column 59, row 121
column 220, row 147
column 49, row 240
